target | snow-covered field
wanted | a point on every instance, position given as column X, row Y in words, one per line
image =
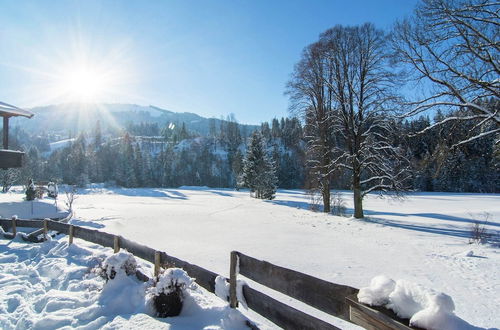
column 53, row 285
column 423, row 239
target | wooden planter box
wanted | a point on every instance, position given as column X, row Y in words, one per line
column 374, row 317
column 11, row 159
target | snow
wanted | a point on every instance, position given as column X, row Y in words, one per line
column 426, row 308
column 60, row 144
column 13, row 204
column 170, row 279
column 222, row 288
column 377, row 294
column 121, row 262
column 52, row 285
column 423, row 239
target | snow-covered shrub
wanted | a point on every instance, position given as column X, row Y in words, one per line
column 30, row 191
column 168, row 291
column 121, row 262
column 315, row 200
column 337, row 204
column 478, row 232
column 70, row 196
column 52, row 190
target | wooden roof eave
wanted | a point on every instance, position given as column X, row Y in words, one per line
column 7, row 110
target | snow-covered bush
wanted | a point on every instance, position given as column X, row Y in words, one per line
column 478, row 232
column 30, row 191
column 52, row 190
column 121, row 262
column 168, row 291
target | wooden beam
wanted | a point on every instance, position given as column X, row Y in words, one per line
column 157, row 263
column 375, row 317
column 323, row 295
column 282, row 314
column 233, row 299
column 6, row 132
column 11, row 159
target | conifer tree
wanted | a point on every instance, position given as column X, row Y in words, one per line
column 259, row 172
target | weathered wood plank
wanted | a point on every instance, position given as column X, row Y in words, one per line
column 29, row 223
column 33, row 236
column 11, row 159
column 71, row 231
column 59, row 226
column 323, row 295
column 94, row 236
column 374, row 317
column 281, row 314
column 233, row 273
column 22, row 223
column 138, row 250
column 202, row 276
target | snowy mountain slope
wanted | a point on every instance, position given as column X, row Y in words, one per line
column 76, row 117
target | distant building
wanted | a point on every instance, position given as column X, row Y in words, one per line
column 10, row 158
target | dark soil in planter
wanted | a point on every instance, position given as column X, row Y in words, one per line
column 168, row 304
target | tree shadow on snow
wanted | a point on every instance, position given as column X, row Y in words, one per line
column 294, row 204
column 148, row 192
column 90, row 224
column 221, row 193
column 433, row 216
column 493, row 235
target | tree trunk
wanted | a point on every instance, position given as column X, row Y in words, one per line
column 358, row 198
column 326, row 196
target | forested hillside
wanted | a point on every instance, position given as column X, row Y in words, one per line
column 144, row 154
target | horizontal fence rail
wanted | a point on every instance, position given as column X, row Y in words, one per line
column 334, row 299
column 282, row 314
column 323, row 295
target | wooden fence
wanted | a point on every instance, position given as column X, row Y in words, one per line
column 337, row 300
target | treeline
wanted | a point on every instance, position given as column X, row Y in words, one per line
column 172, row 157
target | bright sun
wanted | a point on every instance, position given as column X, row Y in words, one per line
column 84, row 84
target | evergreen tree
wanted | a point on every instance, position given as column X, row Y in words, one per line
column 259, row 172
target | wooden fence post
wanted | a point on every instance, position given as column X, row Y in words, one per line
column 45, row 228
column 14, row 228
column 116, row 244
column 157, row 263
column 233, row 299
column 71, row 229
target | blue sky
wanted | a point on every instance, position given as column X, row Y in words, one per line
column 208, row 57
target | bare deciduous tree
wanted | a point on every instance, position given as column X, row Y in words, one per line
column 8, row 177
column 345, row 88
column 453, row 47
column 311, row 97
column 71, row 195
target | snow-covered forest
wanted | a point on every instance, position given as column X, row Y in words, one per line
column 146, row 155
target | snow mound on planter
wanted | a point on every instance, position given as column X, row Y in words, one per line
column 121, row 262
column 377, row 294
column 172, row 279
column 426, row 308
